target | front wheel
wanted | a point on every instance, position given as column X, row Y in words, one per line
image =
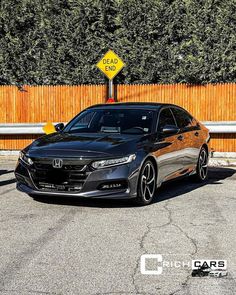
column 147, row 184
column 202, row 166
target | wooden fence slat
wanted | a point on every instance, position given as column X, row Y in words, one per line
column 60, row 103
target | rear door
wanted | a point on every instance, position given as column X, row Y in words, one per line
column 189, row 137
column 168, row 149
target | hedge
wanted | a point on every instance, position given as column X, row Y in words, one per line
column 161, row 41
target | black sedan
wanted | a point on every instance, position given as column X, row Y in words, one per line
column 123, row 150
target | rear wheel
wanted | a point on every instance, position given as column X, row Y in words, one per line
column 147, row 184
column 202, row 166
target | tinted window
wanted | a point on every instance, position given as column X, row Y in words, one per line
column 183, row 119
column 132, row 121
column 165, row 118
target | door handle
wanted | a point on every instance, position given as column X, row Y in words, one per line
column 196, row 133
column 180, row 137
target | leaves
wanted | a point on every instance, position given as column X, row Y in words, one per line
column 174, row 41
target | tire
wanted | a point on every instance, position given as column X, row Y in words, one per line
column 202, row 166
column 147, row 184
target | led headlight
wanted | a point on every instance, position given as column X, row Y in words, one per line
column 25, row 159
column 113, row 162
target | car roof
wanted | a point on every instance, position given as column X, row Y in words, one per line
column 139, row 105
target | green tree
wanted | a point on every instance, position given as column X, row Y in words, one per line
column 161, row 41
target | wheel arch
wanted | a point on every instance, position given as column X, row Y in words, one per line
column 153, row 160
column 138, row 198
column 206, row 147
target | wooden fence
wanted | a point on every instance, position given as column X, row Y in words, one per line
column 60, row 103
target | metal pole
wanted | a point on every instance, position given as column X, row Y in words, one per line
column 110, row 92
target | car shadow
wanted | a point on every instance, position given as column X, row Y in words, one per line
column 6, row 181
column 182, row 186
column 166, row 191
column 2, row 172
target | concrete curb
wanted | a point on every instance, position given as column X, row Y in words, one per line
column 228, row 155
column 222, row 162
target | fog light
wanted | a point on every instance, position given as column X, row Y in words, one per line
column 113, row 185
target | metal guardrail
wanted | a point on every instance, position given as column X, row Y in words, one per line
column 221, row 126
column 37, row 128
column 21, row 128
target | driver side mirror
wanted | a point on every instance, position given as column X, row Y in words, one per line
column 170, row 130
column 59, row 127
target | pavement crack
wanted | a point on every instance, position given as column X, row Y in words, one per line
column 142, row 243
column 170, row 220
column 142, row 248
column 191, row 240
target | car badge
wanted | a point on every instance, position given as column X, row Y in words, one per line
column 57, row 163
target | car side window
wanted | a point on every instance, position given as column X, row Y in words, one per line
column 165, row 118
column 183, row 119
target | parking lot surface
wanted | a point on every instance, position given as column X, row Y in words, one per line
column 76, row 246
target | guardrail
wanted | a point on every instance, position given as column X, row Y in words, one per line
column 37, row 128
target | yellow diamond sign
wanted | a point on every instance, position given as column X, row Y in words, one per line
column 110, row 64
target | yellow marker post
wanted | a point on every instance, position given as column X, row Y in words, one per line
column 110, row 65
column 49, row 128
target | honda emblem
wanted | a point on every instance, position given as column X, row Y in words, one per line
column 57, row 163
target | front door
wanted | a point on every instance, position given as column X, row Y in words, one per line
column 169, row 151
column 190, row 141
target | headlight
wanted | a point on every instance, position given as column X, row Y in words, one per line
column 25, row 159
column 113, row 162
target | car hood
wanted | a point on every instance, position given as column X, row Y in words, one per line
column 85, row 145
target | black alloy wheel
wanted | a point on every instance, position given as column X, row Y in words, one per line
column 202, row 166
column 147, row 184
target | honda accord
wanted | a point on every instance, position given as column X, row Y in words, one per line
column 122, row 150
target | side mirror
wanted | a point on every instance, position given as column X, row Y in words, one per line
column 170, row 130
column 59, row 127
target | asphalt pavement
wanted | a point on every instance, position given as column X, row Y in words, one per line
column 75, row 246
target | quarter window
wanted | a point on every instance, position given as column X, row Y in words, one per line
column 183, row 119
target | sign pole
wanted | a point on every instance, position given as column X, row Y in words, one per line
column 110, row 65
column 110, row 89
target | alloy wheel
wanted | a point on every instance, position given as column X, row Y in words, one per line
column 148, row 182
column 203, row 161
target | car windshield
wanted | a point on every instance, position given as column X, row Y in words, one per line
column 130, row 121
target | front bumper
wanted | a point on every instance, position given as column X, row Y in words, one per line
column 126, row 172
column 124, row 194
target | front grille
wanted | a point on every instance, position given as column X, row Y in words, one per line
column 64, row 167
column 69, row 178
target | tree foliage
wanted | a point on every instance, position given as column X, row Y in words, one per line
column 161, row 41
